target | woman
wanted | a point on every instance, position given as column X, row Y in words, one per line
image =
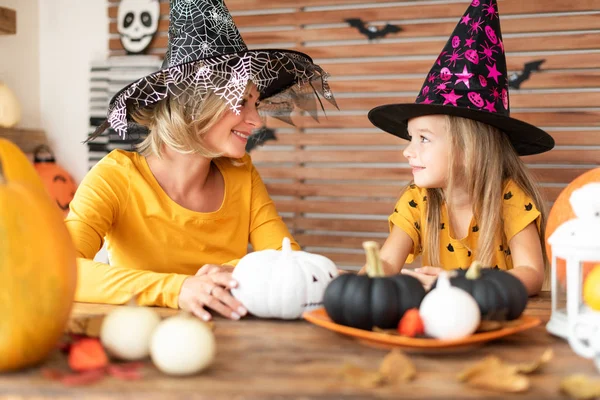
column 180, row 211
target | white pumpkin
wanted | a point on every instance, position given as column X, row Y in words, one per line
column 10, row 109
column 182, row 345
column 449, row 312
column 282, row 284
column 126, row 331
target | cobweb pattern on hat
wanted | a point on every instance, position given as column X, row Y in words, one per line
column 206, row 54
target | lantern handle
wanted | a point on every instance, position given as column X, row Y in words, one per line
column 580, row 331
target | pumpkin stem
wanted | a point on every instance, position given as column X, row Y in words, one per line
column 286, row 247
column 474, row 271
column 374, row 267
column 443, row 281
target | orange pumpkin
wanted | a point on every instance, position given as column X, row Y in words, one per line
column 37, row 270
column 561, row 212
column 16, row 165
column 57, row 181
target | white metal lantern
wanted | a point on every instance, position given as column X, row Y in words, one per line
column 577, row 241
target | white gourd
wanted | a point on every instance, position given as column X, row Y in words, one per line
column 282, row 283
column 182, row 345
column 10, row 109
column 126, row 331
column 449, row 312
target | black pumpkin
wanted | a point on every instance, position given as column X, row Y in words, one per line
column 499, row 294
column 365, row 302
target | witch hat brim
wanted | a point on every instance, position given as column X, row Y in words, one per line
column 207, row 55
column 525, row 138
column 468, row 80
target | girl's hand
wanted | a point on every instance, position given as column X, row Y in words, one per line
column 425, row 275
column 210, row 288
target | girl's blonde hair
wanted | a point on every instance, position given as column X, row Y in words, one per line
column 483, row 159
column 175, row 123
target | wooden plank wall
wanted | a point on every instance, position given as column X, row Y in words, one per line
column 336, row 181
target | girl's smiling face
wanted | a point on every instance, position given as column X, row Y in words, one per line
column 428, row 151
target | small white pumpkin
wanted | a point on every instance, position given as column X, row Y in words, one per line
column 282, row 284
column 126, row 331
column 449, row 312
column 182, row 345
column 10, row 109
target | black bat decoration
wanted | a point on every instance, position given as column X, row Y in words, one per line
column 259, row 138
column 371, row 32
column 516, row 79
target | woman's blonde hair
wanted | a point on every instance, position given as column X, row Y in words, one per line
column 181, row 123
column 483, row 159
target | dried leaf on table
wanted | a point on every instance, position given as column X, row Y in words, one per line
column 528, row 368
column 397, row 367
column 490, row 373
column 127, row 372
column 501, row 378
column 580, row 387
column 83, row 378
column 482, row 366
column 87, row 354
column 360, row 377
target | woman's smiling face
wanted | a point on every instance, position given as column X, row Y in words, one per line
column 230, row 134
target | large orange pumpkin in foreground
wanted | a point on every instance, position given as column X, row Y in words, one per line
column 561, row 212
column 37, row 267
column 16, row 165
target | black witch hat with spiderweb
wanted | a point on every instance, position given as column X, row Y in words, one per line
column 206, row 54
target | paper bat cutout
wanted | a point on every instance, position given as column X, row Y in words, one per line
column 371, row 32
column 259, row 138
column 516, row 79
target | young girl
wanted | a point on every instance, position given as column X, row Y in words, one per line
column 471, row 197
column 190, row 201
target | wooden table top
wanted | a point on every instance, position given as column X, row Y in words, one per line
column 273, row 359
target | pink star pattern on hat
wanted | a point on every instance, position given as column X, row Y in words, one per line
column 468, row 80
column 474, row 57
column 464, row 77
column 493, row 72
column 450, row 98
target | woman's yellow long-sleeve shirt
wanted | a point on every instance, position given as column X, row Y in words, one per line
column 153, row 243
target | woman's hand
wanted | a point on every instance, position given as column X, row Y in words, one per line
column 425, row 275
column 210, row 288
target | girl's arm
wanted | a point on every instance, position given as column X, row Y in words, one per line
column 526, row 252
column 394, row 251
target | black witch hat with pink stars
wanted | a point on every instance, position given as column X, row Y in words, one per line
column 468, row 80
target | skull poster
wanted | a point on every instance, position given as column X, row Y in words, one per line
column 137, row 23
